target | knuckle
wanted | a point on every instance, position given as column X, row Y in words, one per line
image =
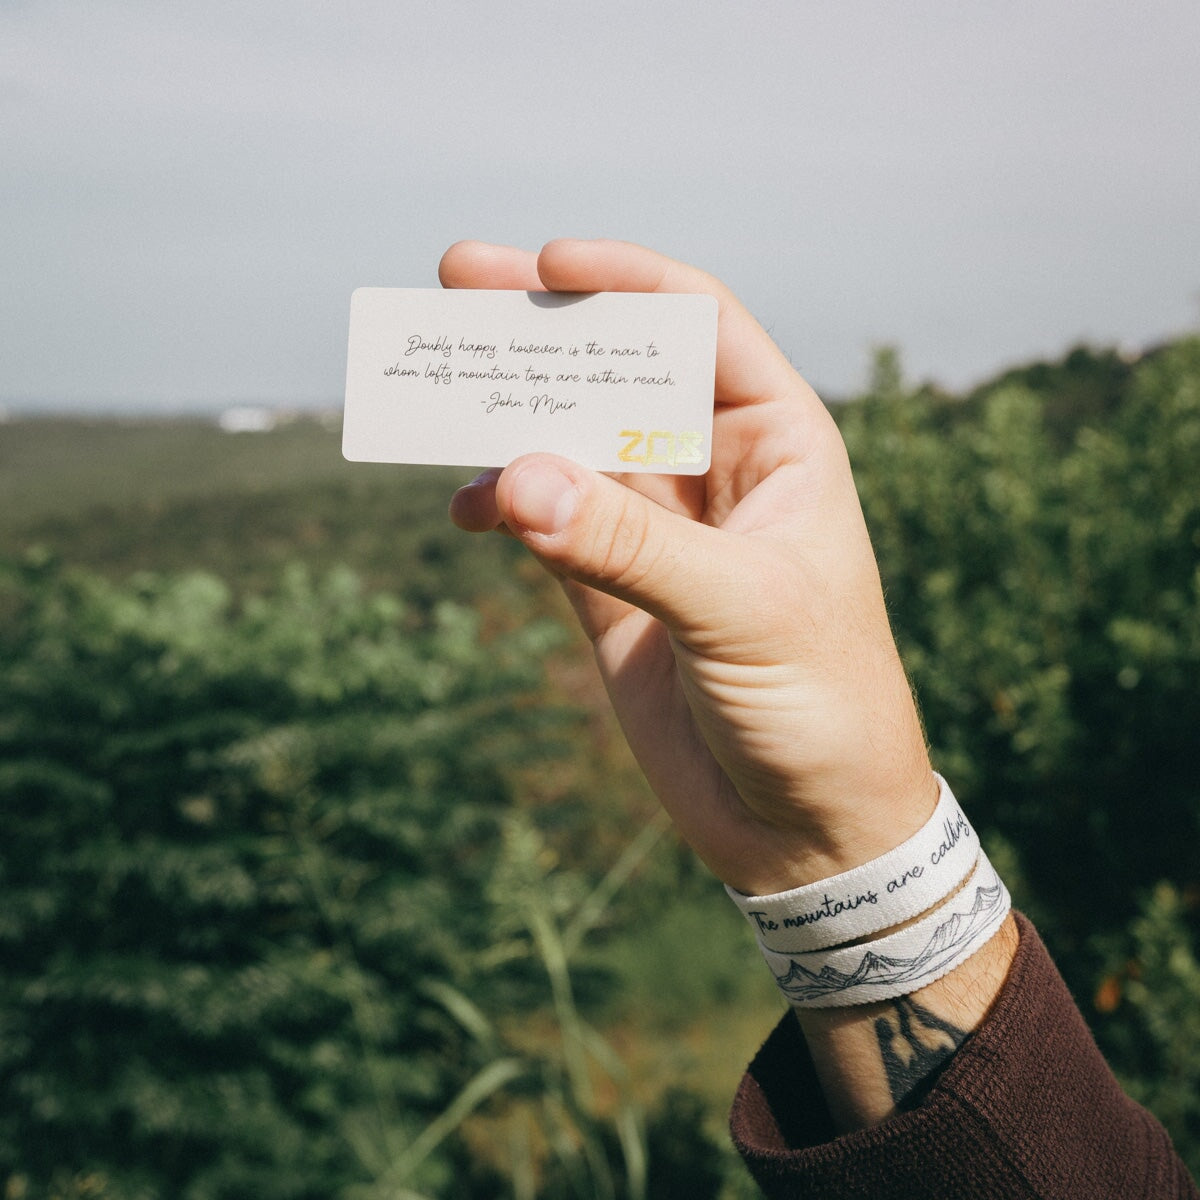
column 626, row 551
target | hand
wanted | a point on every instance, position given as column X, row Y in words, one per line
column 737, row 618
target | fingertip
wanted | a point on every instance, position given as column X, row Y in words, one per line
column 540, row 494
column 451, row 265
column 555, row 262
column 612, row 265
column 572, row 264
column 474, row 264
column 558, row 249
column 473, row 507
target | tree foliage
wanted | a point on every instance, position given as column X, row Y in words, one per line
column 1043, row 575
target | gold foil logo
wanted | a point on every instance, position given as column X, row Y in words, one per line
column 662, row 446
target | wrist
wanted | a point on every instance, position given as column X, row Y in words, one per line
column 851, row 817
column 882, row 894
column 890, row 966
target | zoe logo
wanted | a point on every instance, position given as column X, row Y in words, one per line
column 661, row 446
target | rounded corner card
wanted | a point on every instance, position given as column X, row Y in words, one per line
column 617, row 381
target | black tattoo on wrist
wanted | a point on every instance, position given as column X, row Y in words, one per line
column 916, row 1047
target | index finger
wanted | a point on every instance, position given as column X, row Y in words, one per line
column 482, row 265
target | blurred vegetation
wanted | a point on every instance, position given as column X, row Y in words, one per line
column 1040, row 548
column 325, row 872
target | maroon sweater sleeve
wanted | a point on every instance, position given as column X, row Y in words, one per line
column 1027, row 1108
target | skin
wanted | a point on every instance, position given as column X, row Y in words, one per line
column 739, row 626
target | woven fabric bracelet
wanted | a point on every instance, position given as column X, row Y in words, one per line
column 887, row 891
column 902, row 962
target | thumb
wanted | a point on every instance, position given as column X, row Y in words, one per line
column 586, row 526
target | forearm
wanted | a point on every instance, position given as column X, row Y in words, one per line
column 891, row 963
column 874, row 1060
column 1025, row 1107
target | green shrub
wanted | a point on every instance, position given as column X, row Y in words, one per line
column 239, row 841
column 1043, row 577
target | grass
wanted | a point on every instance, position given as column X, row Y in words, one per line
column 695, row 1000
column 52, row 466
column 124, row 496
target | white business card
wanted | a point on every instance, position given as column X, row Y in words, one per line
column 617, row 381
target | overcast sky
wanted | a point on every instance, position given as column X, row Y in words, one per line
column 189, row 192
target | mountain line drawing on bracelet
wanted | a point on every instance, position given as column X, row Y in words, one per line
column 948, row 940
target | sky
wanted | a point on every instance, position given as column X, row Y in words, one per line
column 189, row 192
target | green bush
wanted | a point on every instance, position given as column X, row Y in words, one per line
column 1043, row 575
column 1156, row 985
column 239, row 841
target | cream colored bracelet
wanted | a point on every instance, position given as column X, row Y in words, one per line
column 880, row 894
column 902, row 962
